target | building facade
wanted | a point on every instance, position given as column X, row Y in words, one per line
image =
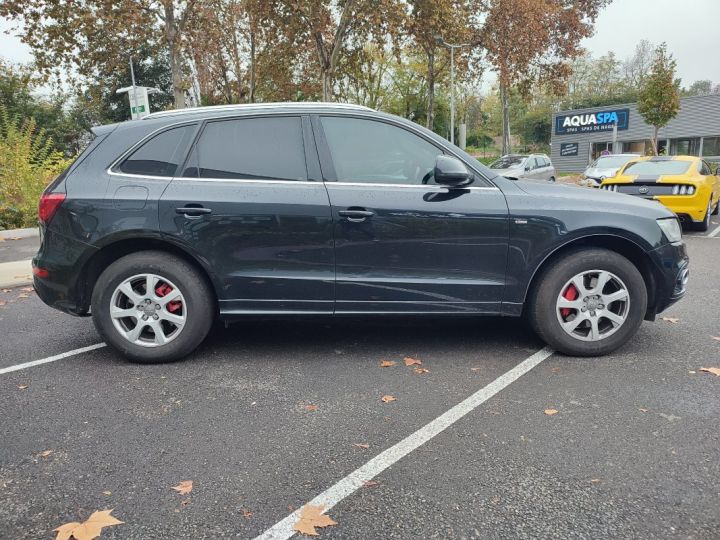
column 579, row 136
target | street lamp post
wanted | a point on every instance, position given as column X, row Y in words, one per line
column 452, row 48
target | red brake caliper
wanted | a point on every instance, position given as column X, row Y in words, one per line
column 571, row 293
column 164, row 289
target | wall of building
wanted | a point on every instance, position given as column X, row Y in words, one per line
column 699, row 116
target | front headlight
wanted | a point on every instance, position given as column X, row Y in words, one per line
column 671, row 228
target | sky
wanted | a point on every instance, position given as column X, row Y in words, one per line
column 691, row 29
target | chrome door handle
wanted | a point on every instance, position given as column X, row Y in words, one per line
column 193, row 210
column 356, row 215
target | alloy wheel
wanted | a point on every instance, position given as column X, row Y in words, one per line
column 593, row 305
column 148, row 310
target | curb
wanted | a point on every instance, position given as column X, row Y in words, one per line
column 15, row 274
column 20, row 233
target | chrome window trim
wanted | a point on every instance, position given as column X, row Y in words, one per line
column 329, row 184
column 421, row 186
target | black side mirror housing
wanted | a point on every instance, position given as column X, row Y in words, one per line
column 451, row 172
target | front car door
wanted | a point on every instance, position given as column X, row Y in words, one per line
column 250, row 204
column 404, row 244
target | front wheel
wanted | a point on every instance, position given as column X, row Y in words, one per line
column 152, row 307
column 588, row 303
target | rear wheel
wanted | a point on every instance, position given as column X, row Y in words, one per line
column 552, row 178
column 704, row 225
column 152, row 307
column 588, row 303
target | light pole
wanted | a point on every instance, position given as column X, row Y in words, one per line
column 441, row 41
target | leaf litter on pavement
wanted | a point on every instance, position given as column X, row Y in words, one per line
column 87, row 530
column 312, row 516
column 714, row 370
column 184, row 487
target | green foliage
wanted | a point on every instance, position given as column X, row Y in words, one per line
column 659, row 99
column 28, row 163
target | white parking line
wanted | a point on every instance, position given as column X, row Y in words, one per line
column 49, row 359
column 283, row 529
column 714, row 233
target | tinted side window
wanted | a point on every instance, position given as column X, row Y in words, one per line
column 538, row 163
column 377, row 152
column 251, row 148
column 547, row 162
column 161, row 155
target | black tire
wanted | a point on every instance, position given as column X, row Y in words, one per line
column 199, row 300
column 704, row 225
column 552, row 179
column 557, row 273
column 717, row 209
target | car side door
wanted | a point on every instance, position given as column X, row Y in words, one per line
column 249, row 203
column 404, row 244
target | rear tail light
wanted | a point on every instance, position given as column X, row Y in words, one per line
column 49, row 204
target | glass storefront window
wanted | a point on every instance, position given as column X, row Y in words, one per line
column 685, row 147
column 711, row 146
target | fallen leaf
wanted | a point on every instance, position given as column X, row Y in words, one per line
column 387, row 363
column 361, row 445
column 87, row 530
column 16, row 238
column 46, row 453
column 551, row 412
column 2, row 302
column 23, row 295
column 311, row 516
column 716, row 338
column 673, row 320
column 370, row 483
column 411, row 361
column 555, row 370
column 388, row 399
column 421, row 370
column 22, row 386
column 247, row 514
column 311, row 407
column 595, row 481
column 6, row 290
column 714, row 370
column 27, row 289
column 643, row 410
column 107, row 493
column 691, row 372
column 475, row 369
column 184, row 487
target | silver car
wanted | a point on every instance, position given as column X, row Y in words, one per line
column 525, row 167
column 605, row 167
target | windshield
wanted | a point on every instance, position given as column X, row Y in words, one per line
column 506, row 162
column 658, row 167
column 611, row 162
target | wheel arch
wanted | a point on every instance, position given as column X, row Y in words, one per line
column 623, row 246
column 112, row 251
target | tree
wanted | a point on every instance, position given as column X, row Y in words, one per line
column 531, row 41
column 701, row 88
column 430, row 19
column 659, row 99
column 88, row 35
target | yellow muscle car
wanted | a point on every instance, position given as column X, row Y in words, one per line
column 685, row 184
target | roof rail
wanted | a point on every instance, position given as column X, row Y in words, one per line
column 243, row 106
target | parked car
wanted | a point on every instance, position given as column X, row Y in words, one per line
column 685, row 184
column 525, row 167
column 605, row 167
column 166, row 223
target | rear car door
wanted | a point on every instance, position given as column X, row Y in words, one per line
column 402, row 243
column 250, row 204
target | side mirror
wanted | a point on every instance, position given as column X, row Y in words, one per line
column 527, row 168
column 450, row 171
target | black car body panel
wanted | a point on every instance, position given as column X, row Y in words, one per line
column 321, row 243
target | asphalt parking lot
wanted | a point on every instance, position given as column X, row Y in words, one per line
column 266, row 416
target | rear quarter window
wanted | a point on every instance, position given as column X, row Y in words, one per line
column 161, row 155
